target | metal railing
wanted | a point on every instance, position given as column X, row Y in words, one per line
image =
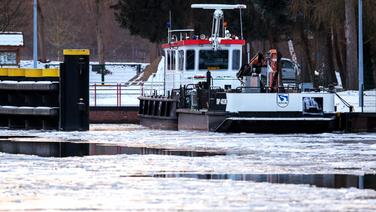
column 369, row 99
column 113, row 94
column 121, row 94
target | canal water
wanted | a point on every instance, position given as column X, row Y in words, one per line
column 129, row 167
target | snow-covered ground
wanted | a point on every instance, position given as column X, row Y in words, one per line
column 352, row 97
column 120, row 72
column 123, row 182
column 109, row 93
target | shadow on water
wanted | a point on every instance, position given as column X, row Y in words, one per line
column 15, row 136
column 318, row 180
column 100, row 149
column 55, row 148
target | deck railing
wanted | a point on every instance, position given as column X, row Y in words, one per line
column 113, row 94
column 122, row 94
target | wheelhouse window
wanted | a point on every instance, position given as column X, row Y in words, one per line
column 171, row 60
column 287, row 64
column 190, row 60
column 213, row 60
column 236, row 60
column 180, row 60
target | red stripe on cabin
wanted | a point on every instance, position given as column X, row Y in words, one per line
column 201, row 42
column 233, row 42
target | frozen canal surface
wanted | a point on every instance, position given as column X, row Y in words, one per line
column 164, row 182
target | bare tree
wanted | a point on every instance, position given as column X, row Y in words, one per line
column 60, row 31
column 12, row 14
column 327, row 19
column 94, row 9
column 351, row 45
column 98, row 26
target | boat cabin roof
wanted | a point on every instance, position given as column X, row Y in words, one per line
column 199, row 42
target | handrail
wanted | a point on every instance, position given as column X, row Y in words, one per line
column 113, row 94
column 344, row 102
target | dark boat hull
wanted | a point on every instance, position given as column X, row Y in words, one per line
column 157, row 122
column 277, row 125
column 162, row 113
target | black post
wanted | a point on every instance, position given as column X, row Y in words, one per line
column 138, row 69
column 102, row 73
column 208, row 79
column 74, row 91
column 208, row 83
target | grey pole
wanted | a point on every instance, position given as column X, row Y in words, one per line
column 361, row 182
column 360, row 54
column 241, row 24
column 35, row 39
column 248, row 53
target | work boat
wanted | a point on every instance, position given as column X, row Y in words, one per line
column 207, row 86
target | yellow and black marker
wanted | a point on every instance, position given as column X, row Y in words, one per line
column 74, row 90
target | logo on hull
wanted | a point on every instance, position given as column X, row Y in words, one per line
column 282, row 100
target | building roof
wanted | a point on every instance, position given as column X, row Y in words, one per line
column 11, row 39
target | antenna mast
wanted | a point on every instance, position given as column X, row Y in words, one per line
column 218, row 18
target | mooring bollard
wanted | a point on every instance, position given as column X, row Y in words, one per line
column 74, row 90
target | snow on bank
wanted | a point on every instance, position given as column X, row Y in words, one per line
column 120, row 72
column 107, row 95
column 352, row 97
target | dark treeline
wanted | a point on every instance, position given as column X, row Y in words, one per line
column 324, row 33
column 73, row 24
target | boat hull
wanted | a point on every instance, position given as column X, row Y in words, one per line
column 199, row 120
column 277, row 125
column 162, row 113
column 157, row 122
